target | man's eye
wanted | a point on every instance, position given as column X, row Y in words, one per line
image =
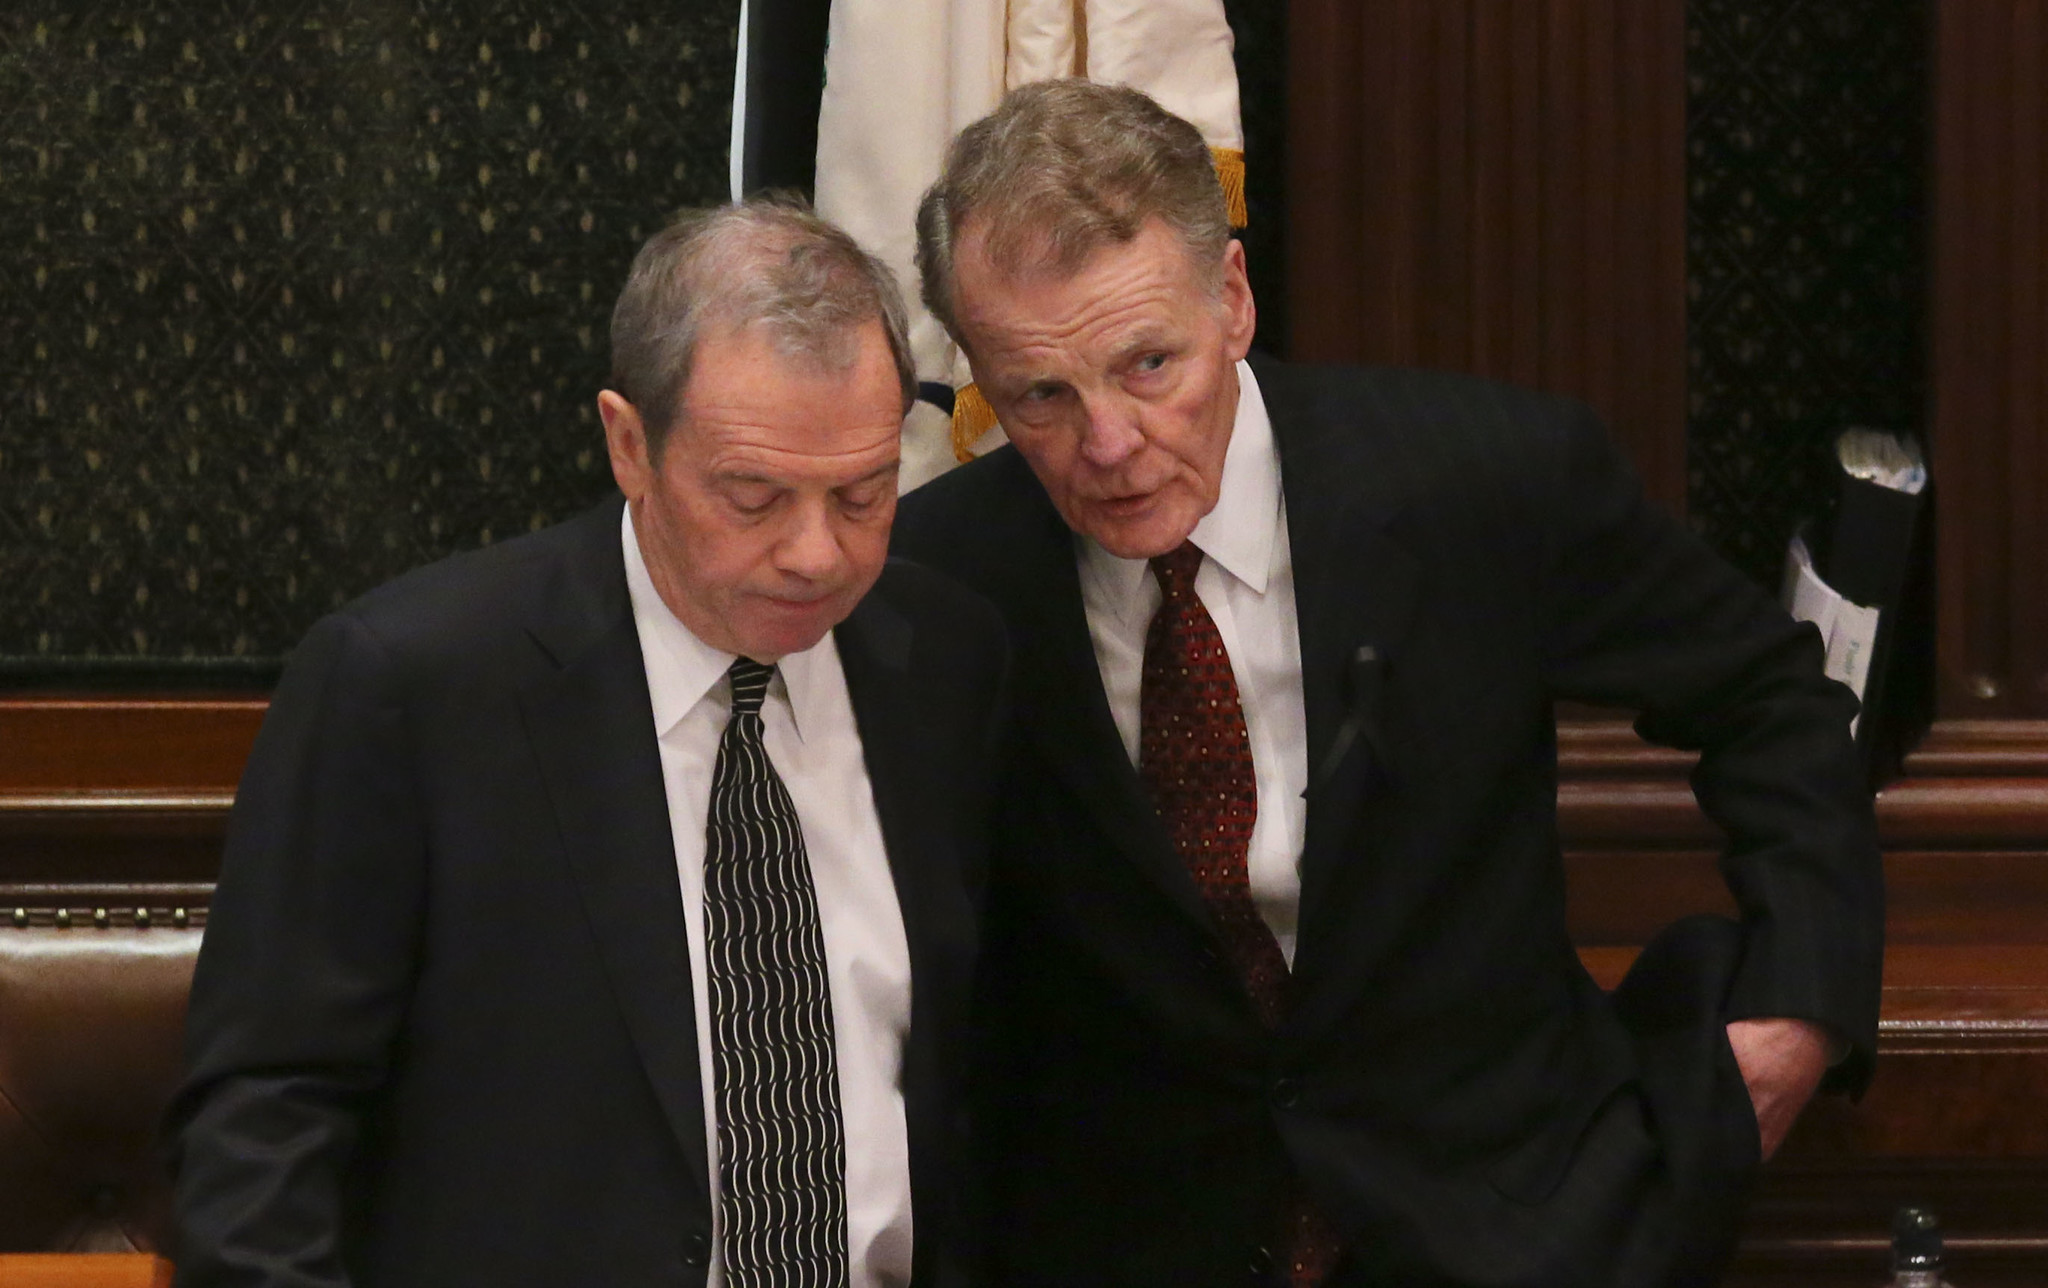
column 751, row 500
column 1151, row 362
column 860, row 499
column 1041, row 393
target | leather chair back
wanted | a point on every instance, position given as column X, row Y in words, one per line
column 92, row 1014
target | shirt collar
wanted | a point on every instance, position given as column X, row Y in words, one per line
column 682, row 669
column 1239, row 533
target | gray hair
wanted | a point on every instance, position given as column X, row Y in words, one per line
column 1060, row 169
column 767, row 262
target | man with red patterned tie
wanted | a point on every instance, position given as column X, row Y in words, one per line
column 1278, row 985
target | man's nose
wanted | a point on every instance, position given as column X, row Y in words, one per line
column 810, row 549
column 1113, row 432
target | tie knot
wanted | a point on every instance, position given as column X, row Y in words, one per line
column 1176, row 569
column 749, row 684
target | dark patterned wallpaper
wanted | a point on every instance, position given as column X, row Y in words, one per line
column 1807, row 255
column 304, row 294
column 300, row 295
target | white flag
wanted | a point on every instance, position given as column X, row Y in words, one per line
column 902, row 77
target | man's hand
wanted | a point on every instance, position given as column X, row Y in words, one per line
column 1782, row 1062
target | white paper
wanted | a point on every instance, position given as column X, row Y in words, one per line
column 1805, row 595
column 1849, row 630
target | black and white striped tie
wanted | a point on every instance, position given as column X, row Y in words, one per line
column 781, row 1143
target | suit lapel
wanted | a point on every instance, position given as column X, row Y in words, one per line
column 896, row 745
column 1060, row 699
column 1355, row 589
column 592, row 730
column 912, row 751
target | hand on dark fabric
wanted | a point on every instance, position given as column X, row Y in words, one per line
column 1782, row 1062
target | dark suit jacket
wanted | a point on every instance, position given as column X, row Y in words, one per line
column 441, row 1031
column 1453, row 1089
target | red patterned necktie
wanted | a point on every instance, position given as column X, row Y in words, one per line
column 1196, row 761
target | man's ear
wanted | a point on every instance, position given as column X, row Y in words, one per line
column 625, row 440
column 1240, row 314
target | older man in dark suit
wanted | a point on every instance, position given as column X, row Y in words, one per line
column 1278, row 983
column 598, row 907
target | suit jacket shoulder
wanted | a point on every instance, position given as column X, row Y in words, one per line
column 973, row 516
column 479, row 609
column 1382, row 438
column 927, row 619
column 1393, row 437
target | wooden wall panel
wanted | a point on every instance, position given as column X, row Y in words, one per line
column 102, row 793
column 61, row 746
column 121, row 803
column 1957, row 1117
column 1497, row 186
column 1991, row 1211
column 1990, row 414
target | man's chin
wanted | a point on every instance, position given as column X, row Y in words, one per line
column 781, row 627
column 1141, row 536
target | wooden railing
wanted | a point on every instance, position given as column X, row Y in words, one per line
column 111, row 802
column 84, row 1270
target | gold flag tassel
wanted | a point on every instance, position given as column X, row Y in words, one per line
column 1230, row 173
column 972, row 417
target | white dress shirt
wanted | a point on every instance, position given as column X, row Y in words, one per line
column 812, row 740
column 1246, row 581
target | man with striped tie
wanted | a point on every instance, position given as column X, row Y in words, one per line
column 599, row 907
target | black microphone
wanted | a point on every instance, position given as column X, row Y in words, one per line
column 1366, row 681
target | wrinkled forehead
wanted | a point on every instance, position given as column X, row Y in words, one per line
column 782, row 348
column 818, row 381
column 1027, row 243
column 993, row 265
column 993, row 277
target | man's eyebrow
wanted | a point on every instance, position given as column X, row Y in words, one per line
column 1143, row 340
column 744, row 476
column 890, row 467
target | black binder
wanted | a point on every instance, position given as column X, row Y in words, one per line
column 1877, row 550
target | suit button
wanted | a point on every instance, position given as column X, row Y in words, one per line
column 1287, row 1092
column 696, row 1251
column 1260, row 1263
